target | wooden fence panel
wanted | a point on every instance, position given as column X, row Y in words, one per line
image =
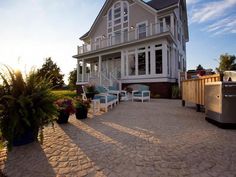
column 193, row 89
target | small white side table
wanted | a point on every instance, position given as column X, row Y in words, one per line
column 95, row 106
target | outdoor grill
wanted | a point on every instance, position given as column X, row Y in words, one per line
column 220, row 103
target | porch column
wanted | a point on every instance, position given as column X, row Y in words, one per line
column 100, row 68
column 78, row 71
column 172, row 24
column 122, row 65
column 164, row 60
column 173, row 60
column 83, row 70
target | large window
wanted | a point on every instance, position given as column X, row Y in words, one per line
column 131, row 64
column 142, row 63
column 117, row 21
column 158, row 54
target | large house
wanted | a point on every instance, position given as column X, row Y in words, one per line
column 135, row 41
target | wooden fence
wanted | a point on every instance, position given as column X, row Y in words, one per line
column 193, row 89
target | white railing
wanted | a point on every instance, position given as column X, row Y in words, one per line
column 125, row 37
column 115, row 81
column 100, row 79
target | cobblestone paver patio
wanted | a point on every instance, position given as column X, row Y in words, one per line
column 157, row 138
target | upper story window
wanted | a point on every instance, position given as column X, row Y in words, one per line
column 118, row 18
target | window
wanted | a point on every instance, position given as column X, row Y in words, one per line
column 142, row 63
column 125, row 35
column 110, row 15
column 125, row 8
column 97, row 42
column 117, row 13
column 158, row 54
column 142, row 30
column 117, row 21
column 149, row 62
column 168, row 61
column 168, row 21
column 117, row 37
column 109, row 40
column 131, row 64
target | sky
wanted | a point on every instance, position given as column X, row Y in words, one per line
column 32, row 30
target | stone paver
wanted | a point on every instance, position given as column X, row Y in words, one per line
column 157, row 138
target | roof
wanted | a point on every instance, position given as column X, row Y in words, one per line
column 155, row 4
column 161, row 4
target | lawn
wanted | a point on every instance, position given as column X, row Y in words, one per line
column 64, row 93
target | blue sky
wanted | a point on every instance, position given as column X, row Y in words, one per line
column 31, row 30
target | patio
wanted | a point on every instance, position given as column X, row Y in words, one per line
column 157, row 138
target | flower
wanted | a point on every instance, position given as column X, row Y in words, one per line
column 65, row 105
column 80, row 103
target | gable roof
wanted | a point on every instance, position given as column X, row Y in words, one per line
column 161, row 4
column 154, row 5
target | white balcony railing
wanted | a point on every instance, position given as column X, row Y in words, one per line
column 125, row 37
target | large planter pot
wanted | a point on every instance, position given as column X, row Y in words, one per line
column 81, row 113
column 63, row 117
column 90, row 95
column 30, row 135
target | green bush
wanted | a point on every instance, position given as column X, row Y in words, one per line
column 24, row 104
column 175, row 92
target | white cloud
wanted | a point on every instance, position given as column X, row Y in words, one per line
column 189, row 2
column 223, row 26
column 212, row 10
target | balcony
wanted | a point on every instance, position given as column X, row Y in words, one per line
column 126, row 36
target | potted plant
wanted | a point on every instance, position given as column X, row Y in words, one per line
column 65, row 108
column 90, row 91
column 26, row 106
column 81, row 108
column 175, row 92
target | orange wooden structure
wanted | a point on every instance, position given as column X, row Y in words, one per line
column 193, row 89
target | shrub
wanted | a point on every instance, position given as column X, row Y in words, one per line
column 24, row 104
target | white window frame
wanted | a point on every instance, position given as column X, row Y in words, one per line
column 122, row 22
column 137, row 29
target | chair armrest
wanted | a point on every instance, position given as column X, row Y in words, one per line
column 102, row 94
column 145, row 91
